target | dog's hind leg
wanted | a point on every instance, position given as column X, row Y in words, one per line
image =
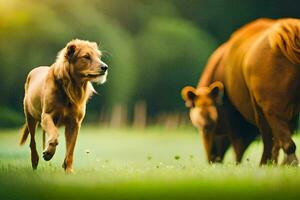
column 31, row 124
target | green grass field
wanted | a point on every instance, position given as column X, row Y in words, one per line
column 133, row 164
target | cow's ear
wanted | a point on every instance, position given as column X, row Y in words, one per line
column 217, row 91
column 189, row 95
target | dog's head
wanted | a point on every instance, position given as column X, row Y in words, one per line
column 203, row 104
column 84, row 61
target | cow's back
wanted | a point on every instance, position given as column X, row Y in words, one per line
column 234, row 62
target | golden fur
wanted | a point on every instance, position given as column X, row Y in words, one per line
column 57, row 95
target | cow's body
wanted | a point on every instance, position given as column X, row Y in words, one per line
column 260, row 69
column 262, row 79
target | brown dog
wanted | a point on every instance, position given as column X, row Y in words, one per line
column 57, row 95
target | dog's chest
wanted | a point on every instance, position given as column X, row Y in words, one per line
column 65, row 110
column 66, row 114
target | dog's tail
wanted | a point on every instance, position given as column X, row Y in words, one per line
column 44, row 139
column 24, row 134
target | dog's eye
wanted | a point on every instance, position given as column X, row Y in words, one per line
column 87, row 56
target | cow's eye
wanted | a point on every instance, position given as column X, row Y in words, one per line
column 87, row 56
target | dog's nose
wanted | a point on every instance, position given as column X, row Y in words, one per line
column 104, row 66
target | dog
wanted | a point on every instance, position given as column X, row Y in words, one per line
column 57, row 96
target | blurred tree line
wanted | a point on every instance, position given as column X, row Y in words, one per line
column 153, row 47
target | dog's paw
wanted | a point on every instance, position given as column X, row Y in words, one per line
column 69, row 170
column 47, row 155
column 49, row 152
column 34, row 165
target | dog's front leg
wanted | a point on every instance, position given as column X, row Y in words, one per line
column 52, row 133
column 71, row 132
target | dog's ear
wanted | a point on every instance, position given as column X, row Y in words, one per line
column 70, row 52
column 95, row 45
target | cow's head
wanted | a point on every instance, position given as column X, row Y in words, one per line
column 203, row 103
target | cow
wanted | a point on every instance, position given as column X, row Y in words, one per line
column 212, row 113
column 259, row 67
column 262, row 79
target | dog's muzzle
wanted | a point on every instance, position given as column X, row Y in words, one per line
column 102, row 72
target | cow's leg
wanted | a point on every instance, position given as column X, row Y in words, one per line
column 215, row 146
column 275, row 151
column 207, row 140
column 293, row 127
column 52, row 133
column 71, row 132
column 266, row 133
column 31, row 125
column 240, row 145
column 283, row 136
column 219, row 147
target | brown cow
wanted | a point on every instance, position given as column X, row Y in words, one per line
column 262, row 79
column 260, row 67
column 210, row 111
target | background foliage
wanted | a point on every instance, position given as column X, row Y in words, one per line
column 153, row 48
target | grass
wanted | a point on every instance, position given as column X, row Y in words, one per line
column 132, row 164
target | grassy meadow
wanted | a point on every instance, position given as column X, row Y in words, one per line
column 140, row 164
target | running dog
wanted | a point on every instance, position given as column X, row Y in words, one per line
column 57, row 95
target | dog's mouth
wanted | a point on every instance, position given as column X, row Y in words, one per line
column 95, row 75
